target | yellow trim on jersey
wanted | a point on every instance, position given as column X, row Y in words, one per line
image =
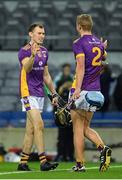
column 27, row 105
column 80, row 55
column 105, row 53
column 74, row 82
column 24, row 86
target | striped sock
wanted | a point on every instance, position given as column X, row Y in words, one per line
column 42, row 158
column 100, row 147
column 24, row 158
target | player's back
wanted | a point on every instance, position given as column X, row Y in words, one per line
column 93, row 50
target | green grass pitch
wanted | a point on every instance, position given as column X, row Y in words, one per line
column 8, row 171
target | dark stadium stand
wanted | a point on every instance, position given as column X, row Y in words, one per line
column 25, row 10
column 15, row 22
column 9, row 93
column 4, row 15
column 13, row 31
column 114, row 34
column 64, row 31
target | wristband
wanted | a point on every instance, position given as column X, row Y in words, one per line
column 54, row 95
column 33, row 55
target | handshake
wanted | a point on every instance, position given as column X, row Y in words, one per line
column 88, row 100
column 61, row 112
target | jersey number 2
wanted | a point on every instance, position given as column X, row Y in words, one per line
column 95, row 61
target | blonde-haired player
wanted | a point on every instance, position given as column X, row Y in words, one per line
column 89, row 53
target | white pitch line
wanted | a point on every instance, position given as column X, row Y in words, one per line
column 14, row 172
column 22, row 172
column 96, row 167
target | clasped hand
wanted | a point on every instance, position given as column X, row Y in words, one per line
column 76, row 94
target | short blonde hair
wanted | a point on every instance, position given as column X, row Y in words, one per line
column 85, row 21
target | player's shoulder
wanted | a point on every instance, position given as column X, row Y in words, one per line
column 96, row 39
column 43, row 48
column 26, row 47
column 24, row 50
column 76, row 40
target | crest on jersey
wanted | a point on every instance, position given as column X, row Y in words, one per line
column 39, row 54
column 44, row 54
column 40, row 63
column 93, row 39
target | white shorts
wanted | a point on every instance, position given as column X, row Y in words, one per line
column 32, row 102
column 81, row 103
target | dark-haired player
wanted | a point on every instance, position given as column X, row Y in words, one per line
column 33, row 74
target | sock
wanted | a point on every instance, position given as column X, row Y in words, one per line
column 100, row 147
column 42, row 158
column 24, row 158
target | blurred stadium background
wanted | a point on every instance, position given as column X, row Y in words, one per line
column 58, row 17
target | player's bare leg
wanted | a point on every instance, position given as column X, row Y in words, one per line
column 27, row 145
column 38, row 125
column 93, row 136
column 35, row 117
column 78, row 140
column 29, row 137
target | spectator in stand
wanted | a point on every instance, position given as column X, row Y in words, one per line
column 118, row 93
column 105, row 82
column 65, row 149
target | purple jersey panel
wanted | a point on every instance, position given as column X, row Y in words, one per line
column 92, row 49
column 32, row 81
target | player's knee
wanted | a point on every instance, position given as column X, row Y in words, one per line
column 39, row 126
column 30, row 131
